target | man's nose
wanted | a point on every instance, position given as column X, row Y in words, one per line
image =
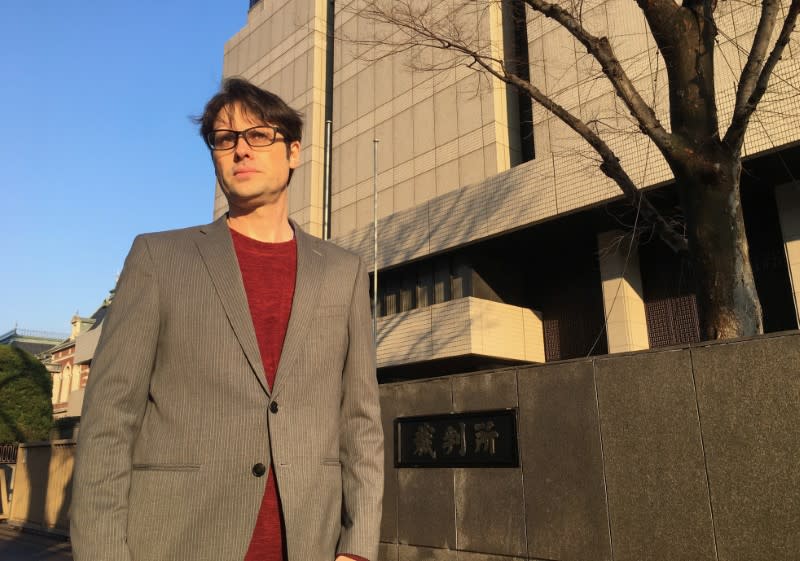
column 242, row 148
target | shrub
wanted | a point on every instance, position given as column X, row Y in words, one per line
column 26, row 411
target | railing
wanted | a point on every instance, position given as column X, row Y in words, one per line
column 32, row 333
column 8, row 453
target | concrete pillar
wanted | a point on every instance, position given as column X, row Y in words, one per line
column 787, row 197
column 623, row 300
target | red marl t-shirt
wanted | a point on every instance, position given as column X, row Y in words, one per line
column 268, row 274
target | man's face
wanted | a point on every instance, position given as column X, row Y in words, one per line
column 252, row 177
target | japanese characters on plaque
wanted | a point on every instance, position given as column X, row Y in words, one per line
column 471, row 439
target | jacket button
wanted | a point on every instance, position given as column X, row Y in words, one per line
column 273, row 406
column 259, row 469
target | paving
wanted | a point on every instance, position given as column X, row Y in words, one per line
column 16, row 545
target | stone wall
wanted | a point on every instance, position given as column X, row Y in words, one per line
column 43, row 486
column 679, row 454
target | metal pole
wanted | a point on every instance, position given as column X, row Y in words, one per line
column 375, row 232
column 326, row 183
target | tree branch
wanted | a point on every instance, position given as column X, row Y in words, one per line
column 758, row 52
column 660, row 16
column 734, row 137
column 600, row 48
column 423, row 33
column 610, row 165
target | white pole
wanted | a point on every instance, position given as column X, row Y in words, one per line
column 375, row 232
column 326, row 183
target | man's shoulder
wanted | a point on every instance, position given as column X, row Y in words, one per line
column 176, row 234
column 168, row 245
column 337, row 253
column 174, row 240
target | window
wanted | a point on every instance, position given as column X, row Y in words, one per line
column 76, row 378
column 56, row 387
column 66, row 380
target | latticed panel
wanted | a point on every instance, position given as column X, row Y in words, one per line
column 571, row 302
column 672, row 321
column 572, row 331
column 552, row 340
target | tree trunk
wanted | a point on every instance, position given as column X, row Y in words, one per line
column 707, row 171
column 726, row 292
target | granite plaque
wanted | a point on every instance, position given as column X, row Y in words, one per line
column 470, row 439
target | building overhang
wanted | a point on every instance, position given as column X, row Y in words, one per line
column 458, row 328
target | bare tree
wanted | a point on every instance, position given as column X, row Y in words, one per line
column 705, row 163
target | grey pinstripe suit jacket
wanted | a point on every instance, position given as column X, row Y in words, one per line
column 177, row 411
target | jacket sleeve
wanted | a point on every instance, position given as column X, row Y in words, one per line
column 114, row 404
column 361, row 437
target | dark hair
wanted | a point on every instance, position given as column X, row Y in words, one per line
column 261, row 104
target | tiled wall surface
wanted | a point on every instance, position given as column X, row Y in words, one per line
column 437, row 131
column 448, row 138
column 685, row 453
column 565, row 176
column 460, row 327
column 497, row 204
column 282, row 49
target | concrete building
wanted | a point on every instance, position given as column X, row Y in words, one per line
column 500, row 241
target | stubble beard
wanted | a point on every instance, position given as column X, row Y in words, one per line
column 265, row 198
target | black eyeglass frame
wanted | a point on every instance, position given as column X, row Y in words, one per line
column 243, row 134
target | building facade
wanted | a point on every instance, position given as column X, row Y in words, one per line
column 69, row 362
column 499, row 240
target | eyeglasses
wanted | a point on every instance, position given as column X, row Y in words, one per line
column 256, row 137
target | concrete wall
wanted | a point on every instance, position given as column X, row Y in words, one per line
column 43, row 486
column 678, row 454
column 6, row 476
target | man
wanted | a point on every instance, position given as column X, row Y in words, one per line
column 232, row 411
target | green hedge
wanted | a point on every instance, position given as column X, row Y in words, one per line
column 26, row 411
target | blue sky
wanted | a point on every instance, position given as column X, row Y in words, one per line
column 96, row 143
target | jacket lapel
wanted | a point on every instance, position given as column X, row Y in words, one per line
column 216, row 248
column 310, row 266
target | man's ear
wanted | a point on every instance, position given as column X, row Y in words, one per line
column 294, row 154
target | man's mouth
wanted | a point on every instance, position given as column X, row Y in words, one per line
column 243, row 171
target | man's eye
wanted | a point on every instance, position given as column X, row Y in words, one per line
column 224, row 138
column 261, row 136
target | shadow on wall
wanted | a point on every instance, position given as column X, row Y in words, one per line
column 42, row 492
column 43, row 486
